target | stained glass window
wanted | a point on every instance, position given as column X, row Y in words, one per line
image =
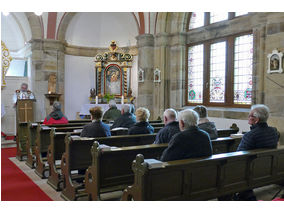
column 195, row 74
column 217, row 72
column 196, row 20
column 243, row 62
column 240, row 13
column 215, row 17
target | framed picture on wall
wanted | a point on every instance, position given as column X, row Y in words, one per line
column 275, row 60
column 140, row 75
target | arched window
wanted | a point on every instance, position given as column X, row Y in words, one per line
column 219, row 71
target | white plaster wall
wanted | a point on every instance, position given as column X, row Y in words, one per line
column 98, row 29
column 79, row 78
column 224, row 123
column 134, row 80
column 8, row 122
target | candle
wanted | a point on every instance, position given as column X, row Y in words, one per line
column 122, row 99
column 97, row 100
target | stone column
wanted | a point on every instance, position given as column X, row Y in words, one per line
column 47, row 58
column 145, row 44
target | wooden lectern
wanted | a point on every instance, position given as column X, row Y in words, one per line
column 24, row 114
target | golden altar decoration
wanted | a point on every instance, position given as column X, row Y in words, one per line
column 112, row 74
column 6, row 60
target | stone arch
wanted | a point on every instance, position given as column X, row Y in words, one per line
column 35, row 24
column 65, row 21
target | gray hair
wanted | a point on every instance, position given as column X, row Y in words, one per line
column 125, row 108
column 171, row 114
column 112, row 103
column 56, row 106
column 261, row 112
column 201, row 110
column 25, row 84
column 189, row 117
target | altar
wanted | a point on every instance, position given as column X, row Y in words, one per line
column 85, row 109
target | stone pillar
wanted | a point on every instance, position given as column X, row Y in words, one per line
column 47, row 57
column 162, row 62
column 177, row 72
column 145, row 45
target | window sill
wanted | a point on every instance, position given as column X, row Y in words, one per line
column 224, row 112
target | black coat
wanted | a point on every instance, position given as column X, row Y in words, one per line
column 141, row 128
column 95, row 129
column 165, row 134
column 126, row 120
column 190, row 143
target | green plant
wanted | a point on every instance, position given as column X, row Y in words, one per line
column 108, row 97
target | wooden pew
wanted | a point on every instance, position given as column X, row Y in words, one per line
column 206, row 178
column 42, row 143
column 227, row 132
column 23, row 134
column 73, row 190
column 57, row 148
column 32, row 130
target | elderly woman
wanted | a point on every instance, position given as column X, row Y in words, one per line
column 56, row 116
column 142, row 126
column 191, row 142
column 204, row 123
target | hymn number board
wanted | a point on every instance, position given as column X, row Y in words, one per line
column 113, row 72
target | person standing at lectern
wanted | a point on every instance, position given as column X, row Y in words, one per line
column 56, row 116
column 23, row 93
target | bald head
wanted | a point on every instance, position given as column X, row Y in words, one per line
column 170, row 115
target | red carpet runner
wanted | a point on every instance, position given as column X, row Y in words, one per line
column 15, row 184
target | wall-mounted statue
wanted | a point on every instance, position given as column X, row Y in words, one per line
column 52, row 83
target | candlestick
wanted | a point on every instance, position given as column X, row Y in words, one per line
column 97, row 100
column 122, row 99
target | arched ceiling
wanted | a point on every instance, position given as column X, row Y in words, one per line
column 98, row 29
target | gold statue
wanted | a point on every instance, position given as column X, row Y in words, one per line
column 52, row 83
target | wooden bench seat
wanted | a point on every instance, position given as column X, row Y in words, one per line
column 114, row 157
column 206, row 178
column 57, row 148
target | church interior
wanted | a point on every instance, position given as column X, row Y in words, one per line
column 226, row 61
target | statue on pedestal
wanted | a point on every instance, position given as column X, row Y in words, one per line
column 52, row 83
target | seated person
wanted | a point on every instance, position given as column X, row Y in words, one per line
column 191, row 142
column 56, row 116
column 260, row 136
column 126, row 119
column 112, row 113
column 171, row 127
column 97, row 128
column 142, row 126
column 204, row 123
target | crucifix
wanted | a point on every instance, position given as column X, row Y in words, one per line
column 26, row 108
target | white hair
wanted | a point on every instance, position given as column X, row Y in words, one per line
column 261, row 112
column 170, row 114
column 112, row 103
column 125, row 108
column 189, row 117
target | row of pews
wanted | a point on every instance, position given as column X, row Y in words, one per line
column 90, row 167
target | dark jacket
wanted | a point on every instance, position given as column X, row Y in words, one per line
column 165, row 134
column 190, row 143
column 126, row 120
column 95, row 129
column 112, row 114
column 210, row 128
column 55, row 117
column 141, row 128
column 260, row 136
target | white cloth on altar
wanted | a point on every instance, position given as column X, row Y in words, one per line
column 86, row 107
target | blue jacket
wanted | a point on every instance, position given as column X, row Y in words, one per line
column 141, row 128
column 126, row 120
column 260, row 136
column 165, row 134
column 190, row 143
column 95, row 129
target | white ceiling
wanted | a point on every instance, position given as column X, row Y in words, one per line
column 98, row 29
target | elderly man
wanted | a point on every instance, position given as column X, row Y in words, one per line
column 126, row 118
column 170, row 129
column 191, row 142
column 260, row 136
column 112, row 113
column 23, row 93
